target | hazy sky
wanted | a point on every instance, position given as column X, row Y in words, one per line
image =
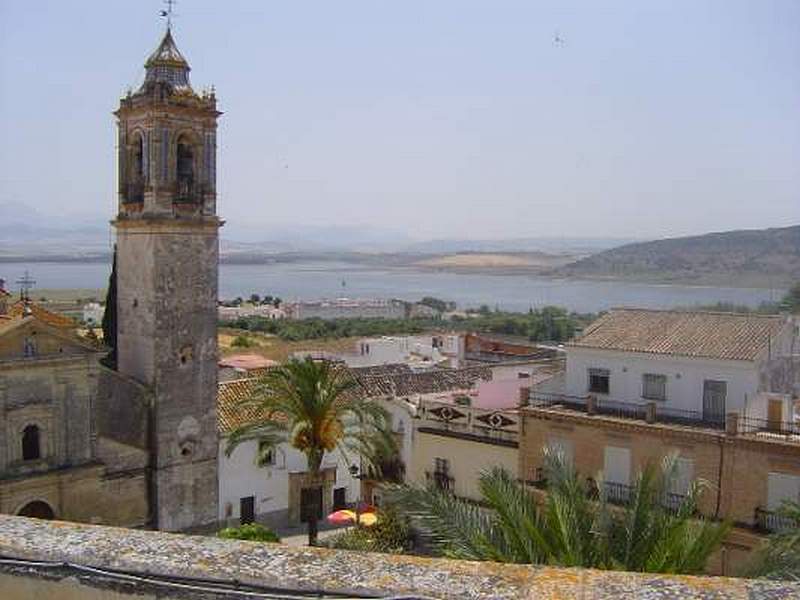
column 439, row 118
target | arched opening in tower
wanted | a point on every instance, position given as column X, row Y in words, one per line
column 185, row 169
column 37, row 510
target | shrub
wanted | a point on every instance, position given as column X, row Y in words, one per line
column 252, row 532
column 391, row 535
column 242, row 341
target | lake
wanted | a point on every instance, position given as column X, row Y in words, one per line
column 307, row 280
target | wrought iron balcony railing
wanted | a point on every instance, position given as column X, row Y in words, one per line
column 770, row 521
column 441, row 479
column 617, row 493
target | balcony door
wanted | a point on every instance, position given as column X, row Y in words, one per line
column 714, row 393
column 617, row 473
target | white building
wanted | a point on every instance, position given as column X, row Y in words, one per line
column 93, row 313
column 272, row 494
column 347, row 308
column 693, row 365
column 419, row 352
column 267, row 311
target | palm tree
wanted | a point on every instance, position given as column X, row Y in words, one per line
column 572, row 526
column 780, row 557
column 314, row 407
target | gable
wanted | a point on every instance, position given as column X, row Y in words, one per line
column 30, row 338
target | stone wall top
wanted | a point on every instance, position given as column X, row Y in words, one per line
column 278, row 567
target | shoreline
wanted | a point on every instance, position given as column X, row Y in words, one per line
column 778, row 284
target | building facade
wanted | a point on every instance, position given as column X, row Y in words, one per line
column 642, row 385
column 56, row 460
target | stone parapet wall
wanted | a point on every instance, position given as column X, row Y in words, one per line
column 153, row 557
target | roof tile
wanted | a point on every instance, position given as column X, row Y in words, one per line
column 728, row 336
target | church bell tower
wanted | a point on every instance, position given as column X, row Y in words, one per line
column 167, row 263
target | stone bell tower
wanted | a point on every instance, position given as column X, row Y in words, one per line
column 167, row 261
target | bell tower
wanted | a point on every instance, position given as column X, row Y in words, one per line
column 167, row 262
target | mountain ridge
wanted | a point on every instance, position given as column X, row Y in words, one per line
column 753, row 257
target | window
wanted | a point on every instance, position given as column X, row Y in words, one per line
column 680, row 483
column 266, row 454
column 31, row 449
column 441, row 465
column 28, row 347
column 782, row 487
column 599, row 381
column 654, row 387
column 617, row 473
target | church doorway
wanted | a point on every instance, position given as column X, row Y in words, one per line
column 37, row 510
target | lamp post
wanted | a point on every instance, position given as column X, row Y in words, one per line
column 354, row 473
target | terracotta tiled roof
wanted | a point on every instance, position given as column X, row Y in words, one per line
column 17, row 310
column 385, row 380
column 728, row 336
column 232, row 413
column 407, row 383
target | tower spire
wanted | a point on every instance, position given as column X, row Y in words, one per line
column 169, row 13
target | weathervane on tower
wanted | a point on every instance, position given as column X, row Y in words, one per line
column 168, row 14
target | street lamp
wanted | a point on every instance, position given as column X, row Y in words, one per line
column 354, row 473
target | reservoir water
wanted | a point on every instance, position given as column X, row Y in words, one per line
column 308, row 280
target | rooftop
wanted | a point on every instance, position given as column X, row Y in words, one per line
column 17, row 311
column 728, row 336
column 247, row 362
column 397, row 380
column 133, row 562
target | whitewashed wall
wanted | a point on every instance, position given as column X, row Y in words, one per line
column 402, row 422
column 240, row 477
column 685, row 378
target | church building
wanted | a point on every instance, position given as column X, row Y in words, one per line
column 133, row 445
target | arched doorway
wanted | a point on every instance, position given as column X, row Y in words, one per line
column 37, row 510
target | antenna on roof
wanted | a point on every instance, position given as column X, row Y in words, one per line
column 169, row 13
column 26, row 282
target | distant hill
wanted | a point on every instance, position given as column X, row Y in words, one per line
column 752, row 258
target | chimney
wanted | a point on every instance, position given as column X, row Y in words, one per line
column 524, row 395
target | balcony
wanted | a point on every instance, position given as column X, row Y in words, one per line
column 617, row 493
column 770, row 521
column 781, row 430
column 649, row 412
column 441, row 480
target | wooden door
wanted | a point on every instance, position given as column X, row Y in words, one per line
column 247, row 510
column 714, row 393
column 774, row 415
column 339, row 498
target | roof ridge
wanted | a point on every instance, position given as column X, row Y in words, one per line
column 690, row 311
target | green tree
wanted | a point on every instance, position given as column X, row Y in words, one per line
column 109, row 323
column 780, row 557
column 791, row 301
column 569, row 528
column 255, row 299
column 313, row 406
column 435, row 303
